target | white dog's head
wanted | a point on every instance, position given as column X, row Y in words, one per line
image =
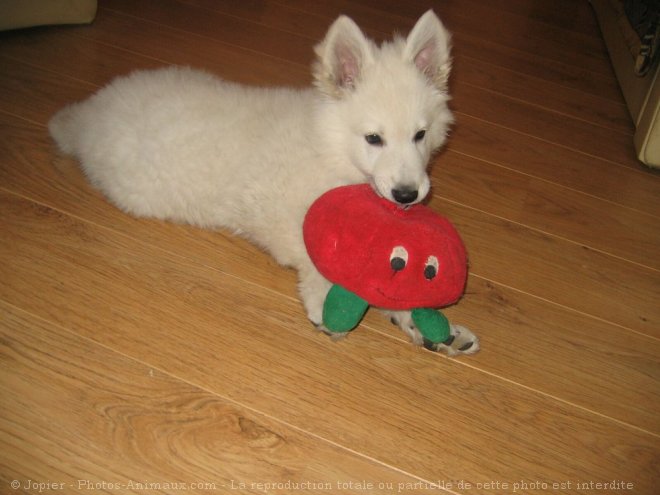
column 385, row 108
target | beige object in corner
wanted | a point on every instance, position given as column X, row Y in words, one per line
column 647, row 136
column 16, row 14
column 642, row 94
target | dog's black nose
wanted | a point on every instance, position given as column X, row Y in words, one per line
column 404, row 195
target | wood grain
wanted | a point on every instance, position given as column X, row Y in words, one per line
column 388, row 405
column 548, row 267
column 379, row 19
column 141, row 425
column 637, row 189
column 550, row 126
column 546, row 42
column 556, row 97
column 553, row 209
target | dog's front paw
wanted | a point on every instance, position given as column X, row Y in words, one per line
column 460, row 341
column 334, row 336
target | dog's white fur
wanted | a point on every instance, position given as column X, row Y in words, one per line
column 183, row 145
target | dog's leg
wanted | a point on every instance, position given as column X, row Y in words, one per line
column 405, row 322
column 461, row 340
column 313, row 289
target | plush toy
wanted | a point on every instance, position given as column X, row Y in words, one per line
column 378, row 253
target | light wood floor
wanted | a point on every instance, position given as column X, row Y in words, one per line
column 135, row 351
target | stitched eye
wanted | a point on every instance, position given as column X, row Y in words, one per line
column 431, row 268
column 398, row 258
column 374, row 139
column 419, row 135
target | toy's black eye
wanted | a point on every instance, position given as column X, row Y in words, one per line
column 431, row 268
column 374, row 139
column 398, row 258
column 420, row 135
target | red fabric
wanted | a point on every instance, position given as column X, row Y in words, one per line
column 350, row 234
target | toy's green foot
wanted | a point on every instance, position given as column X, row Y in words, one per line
column 432, row 324
column 342, row 310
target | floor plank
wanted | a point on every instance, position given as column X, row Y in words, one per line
column 556, row 210
column 144, row 426
column 379, row 19
column 569, row 14
column 556, row 97
column 637, row 189
column 262, row 38
column 549, row 126
column 550, row 268
column 157, row 297
column 545, row 42
column 554, row 72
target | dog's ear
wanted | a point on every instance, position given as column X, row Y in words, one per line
column 428, row 46
column 341, row 57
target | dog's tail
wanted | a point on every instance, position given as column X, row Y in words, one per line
column 63, row 127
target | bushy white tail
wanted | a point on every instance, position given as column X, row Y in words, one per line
column 62, row 127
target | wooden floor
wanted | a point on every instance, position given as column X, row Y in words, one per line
column 144, row 357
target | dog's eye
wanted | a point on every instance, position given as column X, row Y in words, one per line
column 374, row 139
column 398, row 258
column 431, row 268
column 419, row 135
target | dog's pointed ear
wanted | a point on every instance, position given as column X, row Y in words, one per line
column 428, row 45
column 341, row 56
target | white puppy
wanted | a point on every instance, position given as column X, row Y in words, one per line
column 183, row 145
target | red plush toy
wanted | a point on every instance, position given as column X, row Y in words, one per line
column 378, row 253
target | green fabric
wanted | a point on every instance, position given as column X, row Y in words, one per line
column 342, row 310
column 432, row 324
